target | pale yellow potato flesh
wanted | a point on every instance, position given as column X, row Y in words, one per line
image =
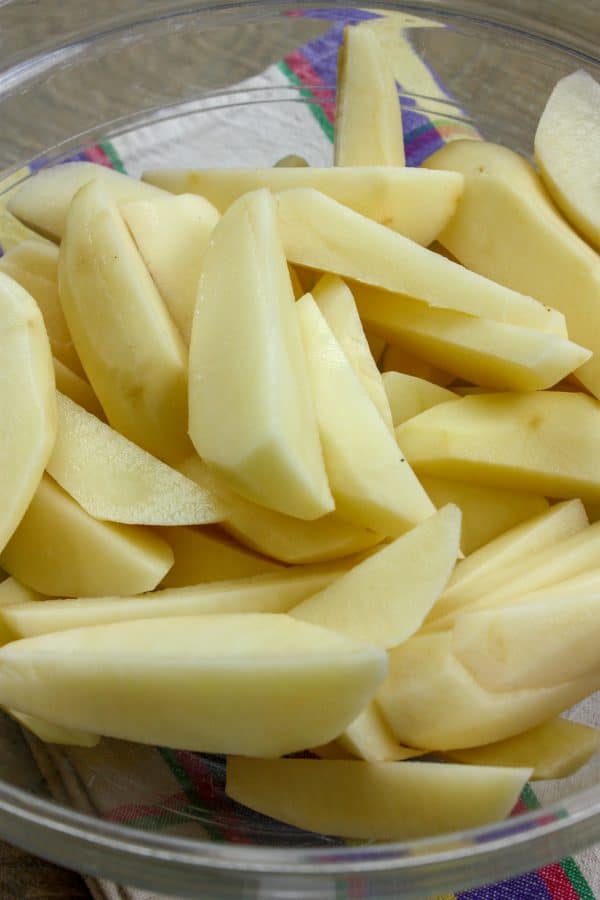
column 532, row 645
column 34, row 265
column 397, row 359
column 431, row 701
column 408, row 395
column 13, row 593
column 295, row 685
column 54, row 734
column 42, row 201
column 377, row 800
column 323, row 234
column 172, row 234
column 208, row 554
column 376, row 345
column 60, row 550
column 282, row 537
column 486, row 568
column 368, row 121
column 334, row 298
column 554, row 749
column 115, row 480
column 370, row 738
column 27, row 403
column 487, row 513
column 404, row 200
column 372, row 485
column 246, row 356
column 131, row 351
column 385, row 599
column 496, row 355
column 507, row 228
column 547, row 442
column 273, row 592
column 567, row 151
column 75, row 387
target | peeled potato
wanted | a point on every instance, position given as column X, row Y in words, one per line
column 54, row 734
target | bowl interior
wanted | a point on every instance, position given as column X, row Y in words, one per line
column 245, row 85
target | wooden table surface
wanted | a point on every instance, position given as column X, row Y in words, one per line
column 22, row 876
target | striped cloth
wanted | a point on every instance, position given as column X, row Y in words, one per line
column 182, row 793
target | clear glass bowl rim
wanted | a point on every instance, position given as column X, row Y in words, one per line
column 31, row 821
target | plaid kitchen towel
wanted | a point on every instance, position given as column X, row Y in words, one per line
column 176, row 792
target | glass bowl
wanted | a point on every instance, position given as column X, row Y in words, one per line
column 142, row 85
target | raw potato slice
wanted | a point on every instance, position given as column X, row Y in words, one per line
column 554, row 749
column 370, row 738
column 60, row 550
column 376, row 345
column 207, row 554
column 296, row 283
column 270, row 593
column 13, row 593
column 430, row 700
column 370, row 480
column 34, row 265
column 403, row 199
column 385, row 599
column 408, row 396
column 80, row 391
column 283, row 537
column 530, row 645
column 171, row 234
column 27, row 403
column 566, row 150
column 396, row 359
column 320, row 233
column 507, row 228
column 487, row 567
column 494, row 354
column 522, row 442
column 42, row 202
column 334, row 299
column 115, row 480
column 368, row 121
column 380, row 801
column 171, row 681
column 486, row 512
column 251, row 415
column 54, row 734
column 131, row 351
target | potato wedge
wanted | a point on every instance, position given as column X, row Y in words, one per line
column 334, row 299
column 60, row 550
column 27, row 403
column 430, row 700
column 368, row 121
column 496, row 355
column 34, row 265
column 402, row 199
column 385, row 599
column 54, row 734
column 170, row 681
column 554, row 749
column 131, row 351
column 285, row 538
column 172, row 234
column 246, row 344
column 42, row 201
column 115, row 480
column 397, row 359
column 507, row 228
column 321, row 233
column 272, row 592
column 370, row 738
column 486, row 512
column 377, row 800
column 75, row 387
column 209, row 554
column 522, row 442
column 566, row 151
column 372, row 485
column 13, row 593
column 408, row 395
